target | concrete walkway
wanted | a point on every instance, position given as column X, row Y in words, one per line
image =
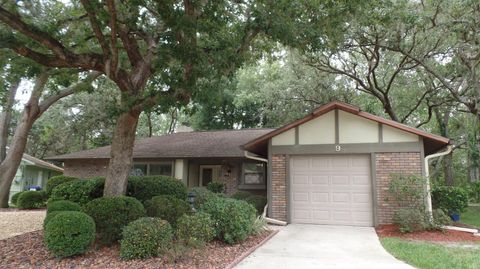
column 322, row 247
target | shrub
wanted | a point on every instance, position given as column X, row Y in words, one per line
column 69, row 233
column 259, row 226
column 410, row 220
column 144, row 238
column 258, row 201
column 440, row 219
column 146, row 187
column 474, row 192
column 31, row 199
column 167, row 207
column 233, row 218
column 55, row 181
column 62, row 205
column 450, row 199
column 111, row 214
column 79, row 191
column 241, row 195
column 195, row 230
column 216, row 187
column 50, row 216
column 15, row 197
column 201, row 195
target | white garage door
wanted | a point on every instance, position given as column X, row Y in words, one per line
column 331, row 190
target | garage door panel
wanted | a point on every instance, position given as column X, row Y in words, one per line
column 331, row 190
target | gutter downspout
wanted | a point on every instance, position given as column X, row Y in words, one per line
column 427, row 175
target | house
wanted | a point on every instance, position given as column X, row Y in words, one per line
column 331, row 167
column 33, row 172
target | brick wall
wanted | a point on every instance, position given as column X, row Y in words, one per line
column 86, row 168
column 388, row 164
column 279, row 182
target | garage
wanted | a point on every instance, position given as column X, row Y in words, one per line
column 326, row 189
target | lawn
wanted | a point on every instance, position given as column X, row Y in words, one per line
column 431, row 255
column 471, row 216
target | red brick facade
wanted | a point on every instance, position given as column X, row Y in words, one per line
column 86, row 168
column 386, row 164
column 279, row 190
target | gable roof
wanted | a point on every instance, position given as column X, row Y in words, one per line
column 432, row 143
column 40, row 163
column 224, row 143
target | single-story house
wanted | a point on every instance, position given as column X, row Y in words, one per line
column 331, row 167
column 33, row 172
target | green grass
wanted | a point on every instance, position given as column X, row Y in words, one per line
column 471, row 216
column 432, row 256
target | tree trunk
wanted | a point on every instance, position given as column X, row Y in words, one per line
column 121, row 154
column 6, row 118
column 149, row 122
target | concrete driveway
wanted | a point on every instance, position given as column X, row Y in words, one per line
column 322, row 247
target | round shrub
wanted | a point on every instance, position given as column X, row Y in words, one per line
column 62, row 205
column 50, row 216
column 144, row 238
column 201, row 195
column 111, row 214
column 233, row 218
column 14, row 199
column 216, row 187
column 146, row 187
column 450, row 199
column 55, row 181
column 195, row 230
column 241, row 195
column 258, row 201
column 79, row 191
column 31, row 199
column 167, row 207
column 69, row 233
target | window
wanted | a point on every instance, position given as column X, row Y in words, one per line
column 253, row 175
column 152, row 169
column 209, row 173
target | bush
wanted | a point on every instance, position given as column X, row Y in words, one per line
column 69, row 233
column 216, row 187
column 167, row 207
column 410, row 220
column 111, row 214
column 15, row 197
column 241, row 195
column 201, row 196
column 233, row 218
column 62, row 205
column 79, row 191
column 55, row 181
column 50, row 216
column 144, row 238
column 474, row 192
column 144, row 188
column 440, row 219
column 259, row 226
column 450, row 199
column 31, row 199
column 258, row 201
column 195, row 230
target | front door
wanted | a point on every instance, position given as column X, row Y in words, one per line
column 209, row 173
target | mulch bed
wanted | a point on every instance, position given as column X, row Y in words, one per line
column 27, row 251
column 433, row 236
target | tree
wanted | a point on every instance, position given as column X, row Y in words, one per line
column 169, row 44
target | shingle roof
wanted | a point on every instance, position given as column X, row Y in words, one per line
column 225, row 143
column 41, row 163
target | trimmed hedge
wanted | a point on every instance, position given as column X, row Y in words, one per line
column 216, row 187
column 69, row 233
column 241, row 195
column 31, row 199
column 50, row 216
column 195, row 230
column 111, row 214
column 62, row 205
column 144, row 238
column 201, row 196
column 55, row 181
column 79, row 191
column 167, row 207
column 450, row 199
column 233, row 218
column 146, row 187
column 14, row 199
column 258, row 201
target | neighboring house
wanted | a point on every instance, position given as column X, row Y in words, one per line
column 33, row 172
column 331, row 167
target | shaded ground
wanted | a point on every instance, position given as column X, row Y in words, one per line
column 433, row 236
column 471, row 216
column 28, row 251
column 15, row 222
